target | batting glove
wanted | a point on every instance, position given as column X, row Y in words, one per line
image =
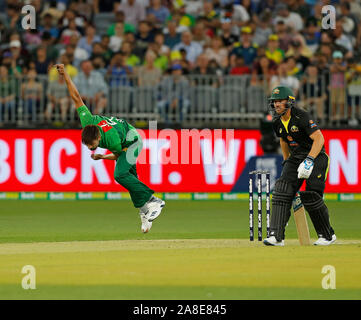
column 305, row 168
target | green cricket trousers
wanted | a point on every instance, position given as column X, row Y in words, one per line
column 125, row 174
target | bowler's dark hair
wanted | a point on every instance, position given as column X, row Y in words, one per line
column 89, row 134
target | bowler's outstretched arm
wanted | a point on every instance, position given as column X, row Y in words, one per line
column 73, row 91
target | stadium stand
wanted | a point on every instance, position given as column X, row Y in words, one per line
column 183, row 63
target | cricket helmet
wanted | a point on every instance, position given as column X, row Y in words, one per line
column 282, row 93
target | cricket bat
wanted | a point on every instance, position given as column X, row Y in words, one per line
column 301, row 221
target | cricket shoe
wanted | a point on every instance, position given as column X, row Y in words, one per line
column 153, row 208
column 272, row 241
column 146, row 225
column 324, row 242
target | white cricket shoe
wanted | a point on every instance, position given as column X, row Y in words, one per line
column 324, row 242
column 272, row 241
column 146, row 225
column 153, row 208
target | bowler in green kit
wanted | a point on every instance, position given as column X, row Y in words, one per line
column 125, row 144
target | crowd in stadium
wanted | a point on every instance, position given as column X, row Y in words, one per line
column 277, row 42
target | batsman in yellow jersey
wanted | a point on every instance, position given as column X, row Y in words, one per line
column 125, row 144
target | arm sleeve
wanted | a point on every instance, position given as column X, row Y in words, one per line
column 85, row 116
column 308, row 125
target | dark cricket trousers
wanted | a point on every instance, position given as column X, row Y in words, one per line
column 317, row 180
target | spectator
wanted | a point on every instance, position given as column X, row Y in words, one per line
column 246, row 49
column 312, row 34
column 186, row 65
column 161, row 60
column 97, row 51
column 163, row 48
column 119, row 72
column 58, row 97
column 86, row 8
column 353, row 77
column 292, row 68
column 192, row 48
column 99, row 65
column 48, row 26
column 143, row 38
column 300, row 7
column 298, row 44
column 218, row 52
column 10, row 63
column 291, row 19
column 238, row 15
column 148, row 74
column 282, row 78
column 87, row 41
column 273, row 51
column 159, row 11
column 134, row 11
column 228, row 38
column 350, row 21
column 200, row 35
column 70, row 30
column 70, row 69
column 92, row 87
column 7, row 95
column 107, row 55
column 42, row 63
column 283, row 34
column 313, row 93
column 70, row 15
column 31, row 93
column 341, row 39
column 75, row 54
column 32, row 39
column 240, row 68
column 263, row 29
column 172, row 37
column 210, row 17
column 13, row 17
column 184, row 20
column 116, row 40
column 120, row 18
column 203, row 73
column 130, row 58
column 52, row 51
column 263, row 71
column 174, row 95
column 104, row 5
column 337, row 87
column 296, row 51
column 322, row 64
column 326, row 50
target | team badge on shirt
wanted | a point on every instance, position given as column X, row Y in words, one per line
column 294, row 129
column 312, row 124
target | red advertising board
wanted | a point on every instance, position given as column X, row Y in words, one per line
column 171, row 160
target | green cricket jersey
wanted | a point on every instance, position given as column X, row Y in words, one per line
column 113, row 131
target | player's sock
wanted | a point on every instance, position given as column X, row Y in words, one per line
column 318, row 212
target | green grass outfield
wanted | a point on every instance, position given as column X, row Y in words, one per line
column 195, row 250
